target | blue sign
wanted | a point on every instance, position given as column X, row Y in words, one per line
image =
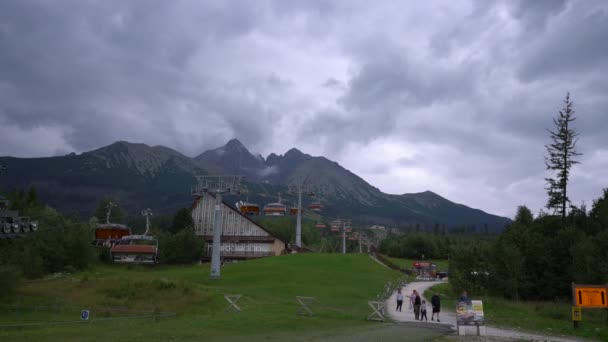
column 84, row 315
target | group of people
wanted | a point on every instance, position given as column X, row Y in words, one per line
column 419, row 305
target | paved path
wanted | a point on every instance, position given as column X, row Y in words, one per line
column 448, row 316
column 407, row 315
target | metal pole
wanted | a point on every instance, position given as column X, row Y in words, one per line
column 147, row 213
column 109, row 206
column 217, row 233
column 360, row 250
column 344, row 238
column 299, row 220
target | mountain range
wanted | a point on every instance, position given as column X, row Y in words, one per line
column 140, row 176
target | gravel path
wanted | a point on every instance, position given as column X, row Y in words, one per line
column 448, row 317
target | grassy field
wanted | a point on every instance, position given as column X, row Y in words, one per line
column 407, row 263
column 552, row 318
column 341, row 284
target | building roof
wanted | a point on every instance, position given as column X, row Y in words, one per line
column 9, row 213
column 195, row 203
column 148, row 249
column 116, row 226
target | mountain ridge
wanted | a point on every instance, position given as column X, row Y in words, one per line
column 158, row 176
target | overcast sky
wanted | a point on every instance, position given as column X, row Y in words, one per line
column 449, row 96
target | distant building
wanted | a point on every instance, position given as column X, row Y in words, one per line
column 395, row 231
column 242, row 238
column 379, row 232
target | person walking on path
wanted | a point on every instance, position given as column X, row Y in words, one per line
column 423, row 311
column 436, row 304
column 399, row 300
column 412, row 298
column 464, row 298
column 417, row 305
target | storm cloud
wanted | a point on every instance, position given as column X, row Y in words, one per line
column 453, row 97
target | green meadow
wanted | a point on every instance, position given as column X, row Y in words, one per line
column 341, row 285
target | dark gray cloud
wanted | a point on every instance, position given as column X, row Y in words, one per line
column 113, row 70
column 535, row 14
column 571, row 47
column 446, row 96
column 333, row 83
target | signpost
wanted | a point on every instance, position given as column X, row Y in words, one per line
column 470, row 314
column 590, row 296
column 587, row 296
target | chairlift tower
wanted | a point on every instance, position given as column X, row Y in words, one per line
column 147, row 213
column 343, row 224
column 109, row 206
column 217, row 185
column 300, row 188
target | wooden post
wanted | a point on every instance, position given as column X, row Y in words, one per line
column 305, row 304
column 577, row 314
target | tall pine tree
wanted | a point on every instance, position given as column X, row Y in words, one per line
column 561, row 156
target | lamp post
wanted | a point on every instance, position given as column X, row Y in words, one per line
column 217, row 185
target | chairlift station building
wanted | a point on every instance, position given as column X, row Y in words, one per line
column 241, row 239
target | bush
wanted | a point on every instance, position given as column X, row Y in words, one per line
column 10, row 278
column 50, row 250
column 104, row 255
column 181, row 248
column 416, row 245
column 163, row 284
column 59, row 245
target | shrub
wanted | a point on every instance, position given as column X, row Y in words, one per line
column 181, row 248
column 10, row 278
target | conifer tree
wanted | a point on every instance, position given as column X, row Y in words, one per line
column 561, row 156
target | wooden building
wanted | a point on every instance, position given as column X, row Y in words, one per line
column 242, row 238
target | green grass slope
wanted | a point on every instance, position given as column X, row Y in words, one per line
column 342, row 285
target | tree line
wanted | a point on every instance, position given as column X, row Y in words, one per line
column 539, row 257
column 64, row 244
column 534, row 258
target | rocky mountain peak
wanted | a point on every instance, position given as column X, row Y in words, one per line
column 234, row 158
column 144, row 159
column 235, row 144
column 295, row 155
column 272, row 159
